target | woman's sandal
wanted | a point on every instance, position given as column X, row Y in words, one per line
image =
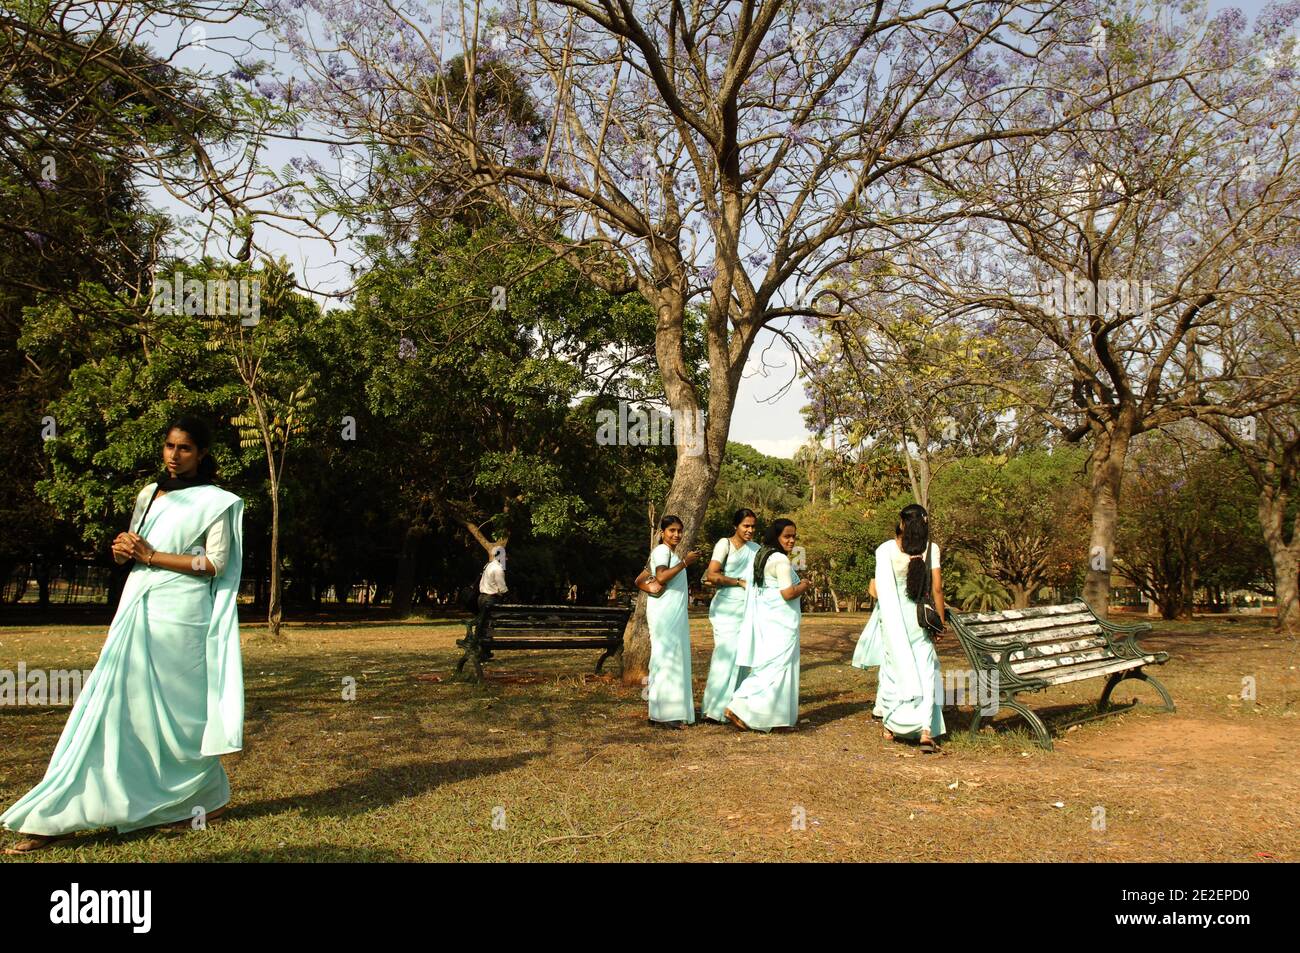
column 887, row 734
column 928, row 745
column 34, row 843
column 735, row 720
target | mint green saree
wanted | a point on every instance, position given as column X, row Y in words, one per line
column 727, row 615
column 166, row 696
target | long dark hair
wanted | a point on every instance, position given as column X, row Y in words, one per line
column 914, row 527
column 771, row 544
column 201, row 434
column 741, row 515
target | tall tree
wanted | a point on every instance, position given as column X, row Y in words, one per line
column 1108, row 257
column 730, row 155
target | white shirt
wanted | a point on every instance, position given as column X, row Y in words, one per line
column 493, row 582
column 778, row 573
column 215, row 541
column 900, row 559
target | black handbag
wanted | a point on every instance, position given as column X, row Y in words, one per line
column 927, row 614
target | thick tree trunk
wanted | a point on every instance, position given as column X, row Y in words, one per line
column 699, row 454
column 1286, row 557
column 1107, row 480
column 404, row 584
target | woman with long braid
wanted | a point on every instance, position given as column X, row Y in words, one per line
column 913, row 708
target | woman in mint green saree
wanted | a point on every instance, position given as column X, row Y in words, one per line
column 870, row 653
column 671, row 695
column 912, row 700
column 768, row 644
column 728, row 570
column 140, row 748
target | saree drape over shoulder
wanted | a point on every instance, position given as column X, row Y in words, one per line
column 726, row 614
column 768, row 645
column 909, row 695
column 672, row 697
column 165, row 698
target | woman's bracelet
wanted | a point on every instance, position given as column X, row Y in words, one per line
column 149, row 561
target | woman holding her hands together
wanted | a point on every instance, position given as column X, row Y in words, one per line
column 672, row 700
column 140, row 748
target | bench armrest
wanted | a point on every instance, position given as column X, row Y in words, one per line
column 1122, row 639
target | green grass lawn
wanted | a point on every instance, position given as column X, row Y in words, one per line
column 543, row 761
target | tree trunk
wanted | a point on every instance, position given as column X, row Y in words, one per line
column 1286, row 558
column 404, row 584
column 700, row 450
column 1107, row 480
column 273, row 608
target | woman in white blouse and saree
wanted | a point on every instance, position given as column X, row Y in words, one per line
column 913, row 703
column 141, row 746
column 768, row 696
column 672, row 699
column 729, row 570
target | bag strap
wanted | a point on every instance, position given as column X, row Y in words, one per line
column 145, row 515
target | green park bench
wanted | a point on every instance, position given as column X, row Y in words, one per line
column 544, row 627
column 1034, row 649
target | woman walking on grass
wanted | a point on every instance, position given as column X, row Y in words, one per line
column 911, row 706
column 166, row 698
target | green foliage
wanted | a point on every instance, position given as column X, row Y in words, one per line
column 1190, row 520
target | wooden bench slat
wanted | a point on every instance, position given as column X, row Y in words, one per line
column 1047, row 635
column 549, row 643
column 1033, row 666
column 1042, row 650
column 1107, row 667
column 975, row 618
column 1006, row 628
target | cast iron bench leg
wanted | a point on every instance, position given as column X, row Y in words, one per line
column 1104, row 702
column 1035, row 723
column 601, row 661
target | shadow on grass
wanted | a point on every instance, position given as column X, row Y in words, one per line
column 386, row 786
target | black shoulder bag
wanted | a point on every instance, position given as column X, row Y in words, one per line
column 927, row 614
